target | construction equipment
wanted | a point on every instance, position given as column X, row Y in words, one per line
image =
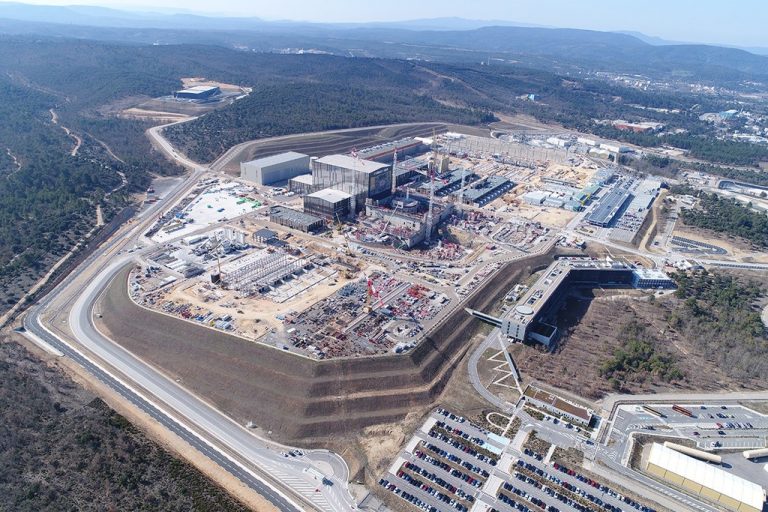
column 430, row 216
column 371, row 292
column 394, row 173
column 386, row 224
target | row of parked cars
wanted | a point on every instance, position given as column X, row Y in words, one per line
column 462, row 447
column 455, row 472
column 439, row 495
column 566, row 500
column 464, row 435
column 538, row 502
column 447, row 467
column 432, row 477
column 604, row 488
column 413, row 500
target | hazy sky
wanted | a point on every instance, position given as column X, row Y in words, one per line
column 737, row 22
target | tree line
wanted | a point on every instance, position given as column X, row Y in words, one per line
column 726, row 215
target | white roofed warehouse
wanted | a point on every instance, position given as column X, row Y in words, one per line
column 704, row 480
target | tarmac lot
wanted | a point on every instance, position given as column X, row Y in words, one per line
column 703, row 429
column 733, row 432
column 450, row 464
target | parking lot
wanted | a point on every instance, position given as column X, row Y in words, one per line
column 452, row 464
column 710, row 426
column 714, row 427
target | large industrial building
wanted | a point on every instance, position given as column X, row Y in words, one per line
column 359, row 178
column 288, row 217
column 609, row 207
column 705, row 480
column 385, row 152
column 199, row 92
column 302, row 185
column 275, row 168
column 450, row 182
column 328, row 203
column 524, row 321
column 486, row 190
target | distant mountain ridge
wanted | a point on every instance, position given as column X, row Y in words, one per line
column 440, row 39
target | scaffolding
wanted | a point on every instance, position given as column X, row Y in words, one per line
column 264, row 272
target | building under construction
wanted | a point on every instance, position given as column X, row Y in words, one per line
column 402, row 220
column 260, row 271
column 355, row 176
column 288, row 217
column 328, row 203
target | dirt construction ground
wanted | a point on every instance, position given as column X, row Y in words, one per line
column 323, row 403
column 322, row 144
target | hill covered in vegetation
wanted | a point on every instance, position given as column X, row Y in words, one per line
column 64, row 449
column 719, row 313
column 728, row 216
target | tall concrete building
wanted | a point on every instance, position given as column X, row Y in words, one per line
column 275, row 168
column 328, row 204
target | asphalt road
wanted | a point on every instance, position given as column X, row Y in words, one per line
column 290, row 483
column 32, row 324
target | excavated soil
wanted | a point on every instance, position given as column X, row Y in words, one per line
column 315, row 402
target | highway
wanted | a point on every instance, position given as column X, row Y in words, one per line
column 315, row 480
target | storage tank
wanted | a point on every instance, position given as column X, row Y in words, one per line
column 755, row 454
column 693, row 452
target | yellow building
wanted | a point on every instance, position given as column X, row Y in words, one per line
column 705, row 480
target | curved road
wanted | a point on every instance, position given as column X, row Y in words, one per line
column 289, row 483
column 288, row 471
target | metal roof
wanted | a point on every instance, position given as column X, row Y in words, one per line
column 389, row 147
column 330, row 194
column 280, row 158
column 651, row 273
column 709, row 476
column 609, row 206
column 350, row 162
column 535, row 195
column 265, row 233
column 491, row 184
column 199, row 89
column 303, row 178
column 290, row 214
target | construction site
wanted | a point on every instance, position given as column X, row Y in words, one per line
column 295, row 292
column 379, row 253
column 299, row 398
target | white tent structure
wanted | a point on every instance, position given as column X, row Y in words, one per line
column 705, row 480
